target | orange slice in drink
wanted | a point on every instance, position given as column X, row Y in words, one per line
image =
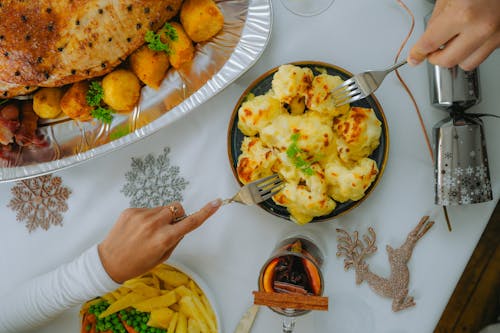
column 268, row 276
column 314, row 276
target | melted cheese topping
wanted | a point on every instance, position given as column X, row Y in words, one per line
column 350, row 183
column 290, row 82
column 306, row 197
column 358, row 134
column 257, row 113
column 256, row 160
column 320, row 98
column 315, row 133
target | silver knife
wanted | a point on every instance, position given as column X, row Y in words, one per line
column 246, row 322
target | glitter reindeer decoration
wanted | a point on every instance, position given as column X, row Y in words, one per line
column 396, row 285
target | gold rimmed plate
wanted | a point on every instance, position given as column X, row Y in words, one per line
column 260, row 87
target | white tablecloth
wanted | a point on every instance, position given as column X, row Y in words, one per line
column 229, row 250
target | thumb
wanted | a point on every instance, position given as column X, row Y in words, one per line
column 440, row 29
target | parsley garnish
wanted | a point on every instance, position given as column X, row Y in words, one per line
column 94, row 94
column 103, row 114
column 155, row 43
column 154, row 39
column 295, row 154
column 2, row 101
column 170, row 32
column 94, row 98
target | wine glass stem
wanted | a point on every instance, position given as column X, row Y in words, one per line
column 288, row 324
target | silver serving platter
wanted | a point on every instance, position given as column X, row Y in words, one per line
column 217, row 63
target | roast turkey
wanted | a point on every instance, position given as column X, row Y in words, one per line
column 49, row 43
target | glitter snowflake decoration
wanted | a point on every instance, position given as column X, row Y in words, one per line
column 40, row 201
column 481, row 172
column 448, row 155
column 466, row 199
column 153, row 182
column 449, row 181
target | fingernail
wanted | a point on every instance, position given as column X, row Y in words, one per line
column 216, row 203
column 413, row 62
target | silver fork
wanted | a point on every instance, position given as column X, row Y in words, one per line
column 361, row 85
column 257, row 191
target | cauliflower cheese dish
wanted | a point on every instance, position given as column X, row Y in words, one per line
column 321, row 151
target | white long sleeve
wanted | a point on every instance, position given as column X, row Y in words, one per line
column 39, row 300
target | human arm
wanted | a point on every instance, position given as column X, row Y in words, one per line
column 141, row 238
column 39, row 300
column 459, row 32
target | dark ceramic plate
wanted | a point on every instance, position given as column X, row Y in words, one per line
column 262, row 86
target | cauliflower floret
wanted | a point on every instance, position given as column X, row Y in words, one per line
column 291, row 81
column 358, row 134
column 319, row 97
column 286, row 167
column 256, row 161
column 314, row 135
column 306, row 198
column 297, row 105
column 258, row 112
column 350, row 183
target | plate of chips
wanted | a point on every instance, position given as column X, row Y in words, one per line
column 168, row 298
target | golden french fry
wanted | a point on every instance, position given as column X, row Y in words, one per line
column 193, row 326
column 122, row 303
column 183, row 291
column 208, row 306
column 150, row 304
column 194, row 287
column 155, row 282
column 181, row 326
column 144, row 289
column 143, row 279
column 160, row 318
column 109, row 298
column 172, row 278
column 205, row 315
column 188, row 307
column 173, row 322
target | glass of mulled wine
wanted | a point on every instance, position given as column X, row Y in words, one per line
column 293, row 268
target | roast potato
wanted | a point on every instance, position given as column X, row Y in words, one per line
column 122, row 90
column 149, row 66
column 74, row 102
column 201, row 19
column 47, row 102
column 182, row 49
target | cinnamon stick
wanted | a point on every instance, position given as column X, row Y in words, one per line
column 291, row 301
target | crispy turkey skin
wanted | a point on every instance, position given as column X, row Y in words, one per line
column 46, row 43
